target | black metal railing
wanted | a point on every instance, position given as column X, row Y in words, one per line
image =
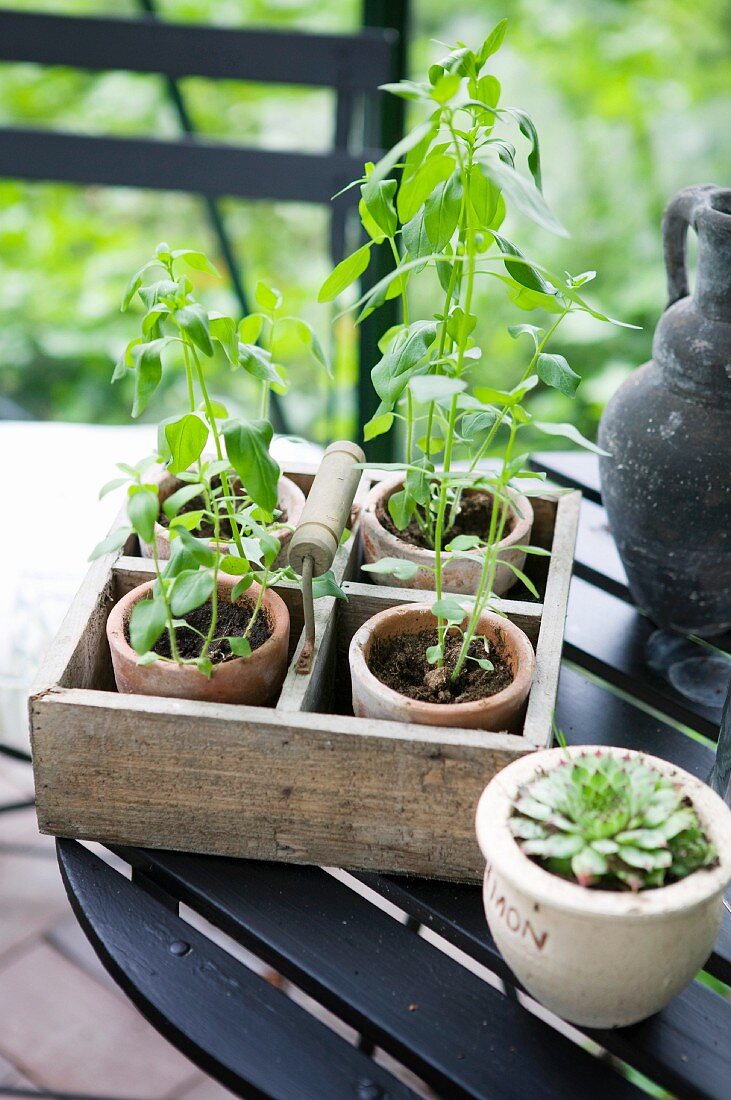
column 353, row 65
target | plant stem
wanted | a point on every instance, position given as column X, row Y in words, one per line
column 166, row 604
column 211, row 417
column 259, row 601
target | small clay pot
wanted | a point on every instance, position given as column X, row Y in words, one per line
column 254, row 680
column 290, row 500
column 502, row 711
column 599, row 958
column 458, row 574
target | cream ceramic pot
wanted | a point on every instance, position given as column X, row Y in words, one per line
column 598, row 958
column 290, row 500
column 458, row 574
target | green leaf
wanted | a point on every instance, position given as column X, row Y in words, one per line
column 193, row 320
column 377, row 425
column 441, row 212
column 268, row 297
column 190, row 589
column 493, row 42
column 241, row 587
column 449, row 608
column 143, row 508
column 435, row 387
column 394, row 567
column 110, row 486
column 530, row 330
column 446, row 87
column 347, row 271
column 393, row 156
column 524, row 194
column 413, row 193
column 250, row 328
column 134, row 285
column 197, row 260
column 188, row 520
column 528, row 130
column 234, row 566
column 198, row 549
column 247, row 446
column 114, row 541
column 391, row 374
column 257, row 362
column 415, row 237
column 326, row 585
column 186, row 439
column 522, row 577
column 568, row 431
column 240, row 646
column 401, row 507
column 522, row 271
column 223, row 329
column 309, row 337
column 146, row 624
column 381, row 213
column 148, row 372
column 433, row 654
column 464, row 542
column 556, row 372
column 484, row 197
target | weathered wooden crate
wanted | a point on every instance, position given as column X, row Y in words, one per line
column 304, row 780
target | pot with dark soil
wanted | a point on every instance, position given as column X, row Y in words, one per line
column 254, row 679
column 396, row 675
column 290, row 502
column 382, row 539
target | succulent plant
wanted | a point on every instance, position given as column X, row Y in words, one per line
column 610, row 822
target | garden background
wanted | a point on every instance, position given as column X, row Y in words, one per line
column 629, row 97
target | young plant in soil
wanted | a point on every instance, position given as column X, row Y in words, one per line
column 436, row 201
column 609, row 823
column 222, row 518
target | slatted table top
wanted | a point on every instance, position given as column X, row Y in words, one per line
column 404, row 970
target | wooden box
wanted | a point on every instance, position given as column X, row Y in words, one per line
column 303, row 780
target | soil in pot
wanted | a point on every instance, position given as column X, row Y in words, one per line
column 233, row 620
column 473, row 518
column 400, row 663
column 205, row 529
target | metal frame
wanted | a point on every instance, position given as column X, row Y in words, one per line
column 352, row 65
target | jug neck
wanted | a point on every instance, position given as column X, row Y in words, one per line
column 713, row 280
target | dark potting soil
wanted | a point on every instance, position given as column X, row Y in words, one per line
column 205, row 529
column 473, row 518
column 400, row 663
column 233, row 620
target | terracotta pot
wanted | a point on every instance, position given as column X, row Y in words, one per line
column 599, row 958
column 459, row 574
column 254, row 680
column 502, row 711
column 291, row 500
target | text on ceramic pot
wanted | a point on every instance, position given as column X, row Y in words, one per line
column 511, row 917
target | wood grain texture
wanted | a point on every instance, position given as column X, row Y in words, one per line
column 244, row 781
column 304, row 781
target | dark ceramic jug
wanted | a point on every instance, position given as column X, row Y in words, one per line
column 667, row 484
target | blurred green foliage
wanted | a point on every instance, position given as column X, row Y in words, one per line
column 631, row 99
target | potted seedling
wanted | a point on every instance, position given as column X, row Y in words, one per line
column 604, row 882
column 173, row 320
column 437, row 525
column 210, row 625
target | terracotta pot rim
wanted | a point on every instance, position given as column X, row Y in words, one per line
column 503, row 853
column 517, row 536
column 290, row 486
column 272, row 602
column 514, row 691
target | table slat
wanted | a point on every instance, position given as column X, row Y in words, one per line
column 682, row 1048
column 575, row 469
column 454, row 1030
column 233, row 1024
column 607, row 636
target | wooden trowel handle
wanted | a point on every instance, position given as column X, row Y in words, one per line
column 327, row 509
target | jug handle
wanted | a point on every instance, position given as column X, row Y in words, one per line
column 679, row 214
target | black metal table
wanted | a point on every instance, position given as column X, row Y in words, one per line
column 456, row 1020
